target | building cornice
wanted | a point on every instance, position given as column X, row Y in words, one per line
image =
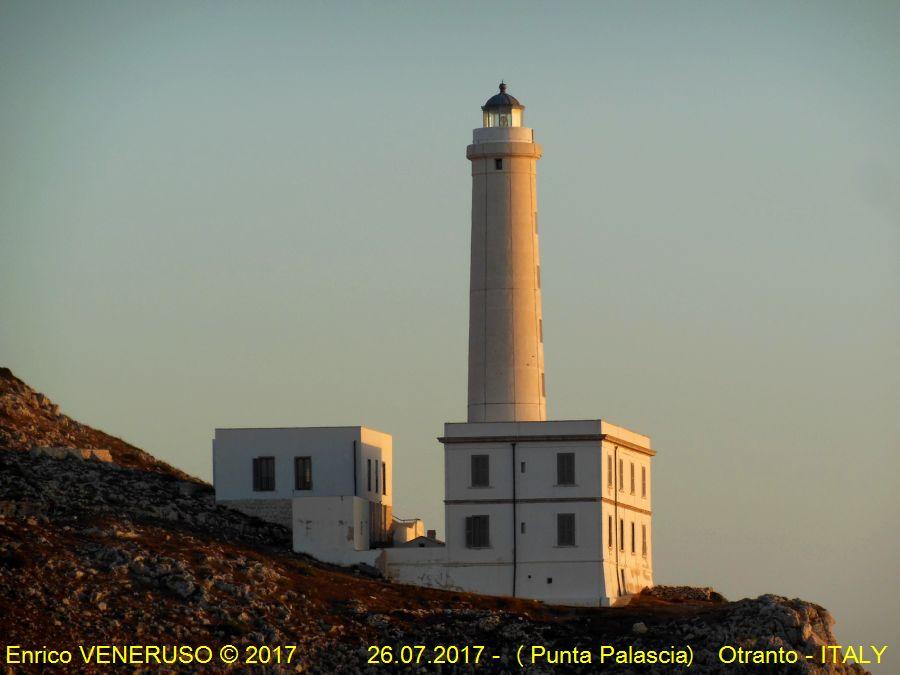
column 550, row 500
column 558, row 438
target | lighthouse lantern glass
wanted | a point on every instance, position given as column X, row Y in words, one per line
column 503, row 117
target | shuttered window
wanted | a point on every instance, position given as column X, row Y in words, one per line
column 644, row 540
column 643, row 481
column 383, row 478
column 369, row 470
column 609, row 531
column 481, row 471
column 565, row 529
column 609, row 470
column 565, row 468
column 303, row 473
column 478, row 532
column 621, row 534
column 632, row 478
column 633, row 543
column 263, row 474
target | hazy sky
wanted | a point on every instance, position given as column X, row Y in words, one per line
column 257, row 214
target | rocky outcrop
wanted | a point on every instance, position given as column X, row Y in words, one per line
column 50, row 490
column 78, row 453
column 683, row 593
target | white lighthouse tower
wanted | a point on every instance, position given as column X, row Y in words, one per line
column 506, row 352
column 552, row 510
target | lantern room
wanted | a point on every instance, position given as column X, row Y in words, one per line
column 502, row 110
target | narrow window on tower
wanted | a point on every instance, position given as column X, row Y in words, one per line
column 644, row 481
column 632, row 478
column 621, row 534
column 621, row 475
column 369, row 469
column 633, row 546
column 644, row 540
column 523, row 467
column 498, row 164
column 609, row 531
column 523, row 528
column 609, row 471
column 376, row 475
column 383, row 478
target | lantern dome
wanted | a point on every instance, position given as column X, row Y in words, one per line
column 502, row 110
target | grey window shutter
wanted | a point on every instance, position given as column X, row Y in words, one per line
column 565, row 529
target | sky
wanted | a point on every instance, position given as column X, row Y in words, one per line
column 257, row 214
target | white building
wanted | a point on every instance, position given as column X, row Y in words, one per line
column 332, row 485
column 555, row 511
column 558, row 511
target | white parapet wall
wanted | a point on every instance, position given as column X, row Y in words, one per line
column 417, row 566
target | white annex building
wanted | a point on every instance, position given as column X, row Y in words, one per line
column 558, row 510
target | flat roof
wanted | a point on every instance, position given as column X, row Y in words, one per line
column 544, row 431
column 340, row 426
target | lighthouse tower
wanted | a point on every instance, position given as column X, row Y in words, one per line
column 506, row 352
column 554, row 510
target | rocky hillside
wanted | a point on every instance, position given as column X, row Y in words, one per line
column 134, row 553
column 29, row 419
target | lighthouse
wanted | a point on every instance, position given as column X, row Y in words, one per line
column 557, row 510
column 553, row 510
column 506, row 352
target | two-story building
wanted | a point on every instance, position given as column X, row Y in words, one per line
column 557, row 511
column 332, row 485
column 552, row 510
